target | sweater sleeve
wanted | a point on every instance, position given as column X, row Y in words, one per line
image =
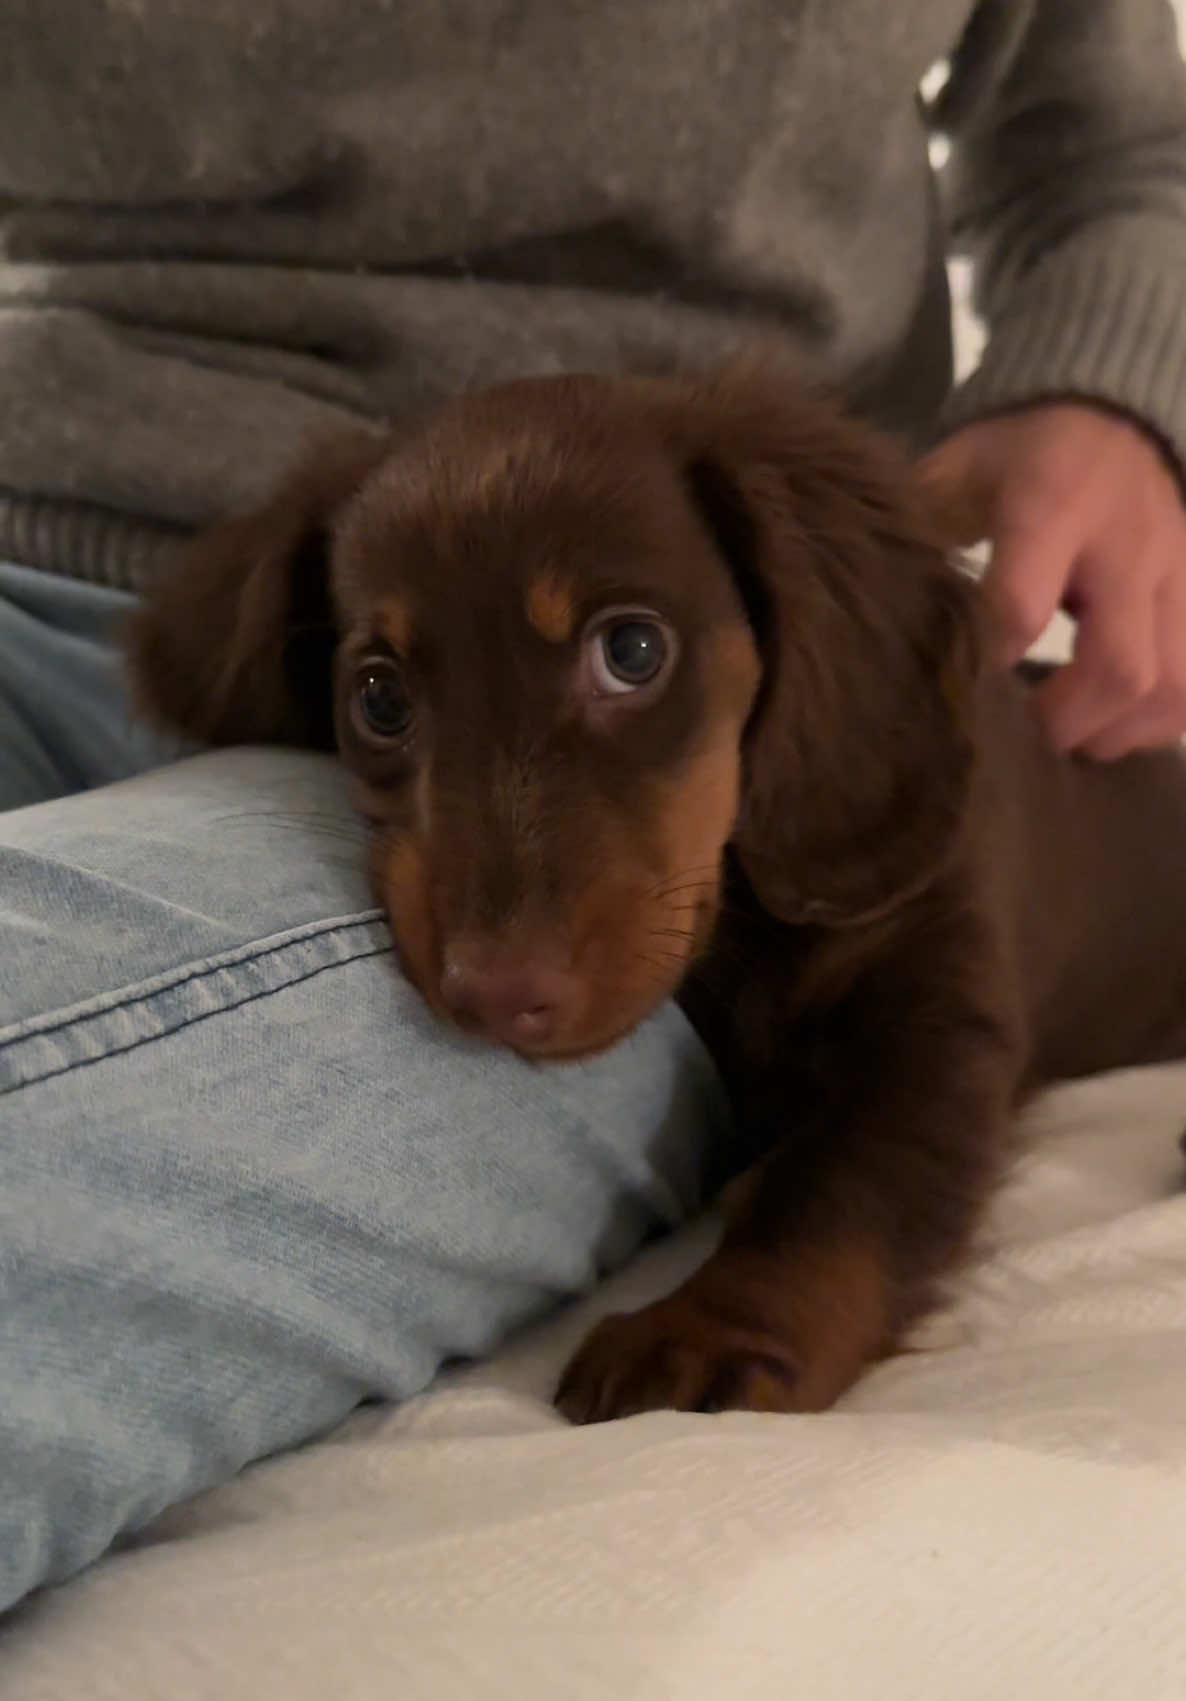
column 1066, row 187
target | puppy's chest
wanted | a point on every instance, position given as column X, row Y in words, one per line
column 782, row 1045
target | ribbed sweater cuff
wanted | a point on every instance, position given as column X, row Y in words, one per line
column 1100, row 326
column 82, row 540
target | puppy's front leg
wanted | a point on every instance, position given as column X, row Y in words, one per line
column 836, row 1238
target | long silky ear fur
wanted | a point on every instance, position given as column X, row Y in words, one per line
column 236, row 644
column 859, row 752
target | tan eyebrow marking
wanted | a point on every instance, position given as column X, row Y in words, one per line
column 551, row 607
column 393, row 617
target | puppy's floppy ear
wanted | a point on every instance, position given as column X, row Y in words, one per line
column 859, row 751
column 236, row 644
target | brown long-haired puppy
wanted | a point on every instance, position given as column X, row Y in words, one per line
column 657, row 687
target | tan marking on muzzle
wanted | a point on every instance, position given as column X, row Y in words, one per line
column 401, row 870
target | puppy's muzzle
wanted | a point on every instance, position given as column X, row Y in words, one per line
column 515, row 995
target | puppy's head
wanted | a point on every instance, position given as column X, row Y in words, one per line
column 574, row 639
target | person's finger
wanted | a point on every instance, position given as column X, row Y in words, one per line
column 1138, row 732
column 1026, row 583
column 1115, row 664
column 957, row 482
column 1160, row 719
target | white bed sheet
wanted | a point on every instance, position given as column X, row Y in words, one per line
column 1001, row 1514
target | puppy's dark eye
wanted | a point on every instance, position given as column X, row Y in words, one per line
column 634, row 650
column 383, row 705
column 628, row 651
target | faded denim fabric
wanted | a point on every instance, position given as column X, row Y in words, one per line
column 246, row 1180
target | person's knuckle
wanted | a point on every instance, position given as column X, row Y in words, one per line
column 1052, row 491
column 1170, row 691
column 1140, row 526
column 1161, row 733
column 1128, row 670
column 1020, row 607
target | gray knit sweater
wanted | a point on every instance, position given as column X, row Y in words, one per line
column 232, row 225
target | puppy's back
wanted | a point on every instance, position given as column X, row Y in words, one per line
column 1088, row 861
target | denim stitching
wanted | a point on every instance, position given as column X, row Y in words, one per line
column 98, row 1028
column 169, row 980
column 189, row 1022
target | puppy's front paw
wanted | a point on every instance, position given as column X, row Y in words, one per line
column 677, row 1355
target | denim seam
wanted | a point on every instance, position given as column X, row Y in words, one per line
column 155, row 1011
column 103, row 1003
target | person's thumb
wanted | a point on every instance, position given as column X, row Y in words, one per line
column 958, row 483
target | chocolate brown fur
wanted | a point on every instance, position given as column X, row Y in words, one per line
column 890, row 911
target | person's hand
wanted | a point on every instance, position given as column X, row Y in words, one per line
column 1084, row 514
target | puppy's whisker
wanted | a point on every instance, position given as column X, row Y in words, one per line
column 653, row 943
column 700, row 875
column 664, row 967
column 694, row 893
column 352, row 839
column 329, row 827
column 337, row 818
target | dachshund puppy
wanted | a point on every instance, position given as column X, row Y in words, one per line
column 655, row 687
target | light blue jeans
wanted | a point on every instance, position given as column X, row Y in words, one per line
column 246, row 1182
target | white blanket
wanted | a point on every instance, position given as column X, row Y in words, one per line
column 1000, row 1514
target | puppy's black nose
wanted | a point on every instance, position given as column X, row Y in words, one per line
column 512, row 997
